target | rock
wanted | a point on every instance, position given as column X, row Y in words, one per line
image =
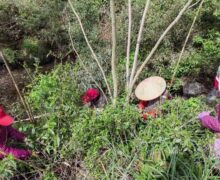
column 193, row 89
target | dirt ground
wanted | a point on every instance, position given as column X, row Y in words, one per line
column 8, row 93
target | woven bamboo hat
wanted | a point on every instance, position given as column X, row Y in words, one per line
column 150, row 88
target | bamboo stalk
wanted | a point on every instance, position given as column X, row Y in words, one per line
column 157, row 45
column 90, row 47
column 139, row 40
column 24, row 103
column 128, row 44
column 186, row 40
column 114, row 58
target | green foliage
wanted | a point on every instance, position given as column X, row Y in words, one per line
column 33, row 50
column 113, row 124
column 31, row 46
column 55, row 89
column 114, row 142
column 58, row 95
column 34, row 27
column 9, row 55
column 151, row 146
column 210, row 44
column 7, row 167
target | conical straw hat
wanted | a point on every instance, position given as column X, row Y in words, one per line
column 150, row 88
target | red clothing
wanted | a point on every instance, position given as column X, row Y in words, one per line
column 91, row 95
column 152, row 105
column 10, row 132
column 142, row 104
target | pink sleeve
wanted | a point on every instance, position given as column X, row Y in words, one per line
column 18, row 153
column 216, row 83
column 211, row 123
column 15, row 134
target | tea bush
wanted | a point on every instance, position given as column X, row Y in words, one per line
column 114, row 142
column 7, row 167
column 9, row 55
column 150, row 149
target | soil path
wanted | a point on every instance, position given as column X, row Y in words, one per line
column 8, row 93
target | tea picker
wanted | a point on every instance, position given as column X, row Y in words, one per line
column 212, row 123
column 94, row 98
column 151, row 92
column 8, row 132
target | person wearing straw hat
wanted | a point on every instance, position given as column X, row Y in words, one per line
column 151, row 92
column 6, row 132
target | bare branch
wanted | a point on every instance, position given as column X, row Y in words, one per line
column 139, row 40
column 187, row 39
column 84, row 66
column 90, row 47
column 24, row 103
column 114, row 58
column 193, row 5
column 128, row 44
column 158, row 43
column 34, row 117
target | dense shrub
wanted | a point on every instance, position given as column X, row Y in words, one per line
column 7, row 167
column 113, row 142
column 9, row 55
column 159, row 148
column 47, row 22
column 36, row 25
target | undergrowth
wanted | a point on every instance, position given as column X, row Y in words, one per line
column 113, row 143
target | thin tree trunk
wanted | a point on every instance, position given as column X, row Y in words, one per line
column 114, row 58
column 187, row 39
column 84, row 66
column 24, row 103
column 139, row 40
column 90, row 47
column 128, row 44
column 157, row 45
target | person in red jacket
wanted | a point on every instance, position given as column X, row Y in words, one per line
column 8, row 132
column 91, row 97
column 151, row 92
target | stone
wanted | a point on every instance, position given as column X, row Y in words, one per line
column 193, row 89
